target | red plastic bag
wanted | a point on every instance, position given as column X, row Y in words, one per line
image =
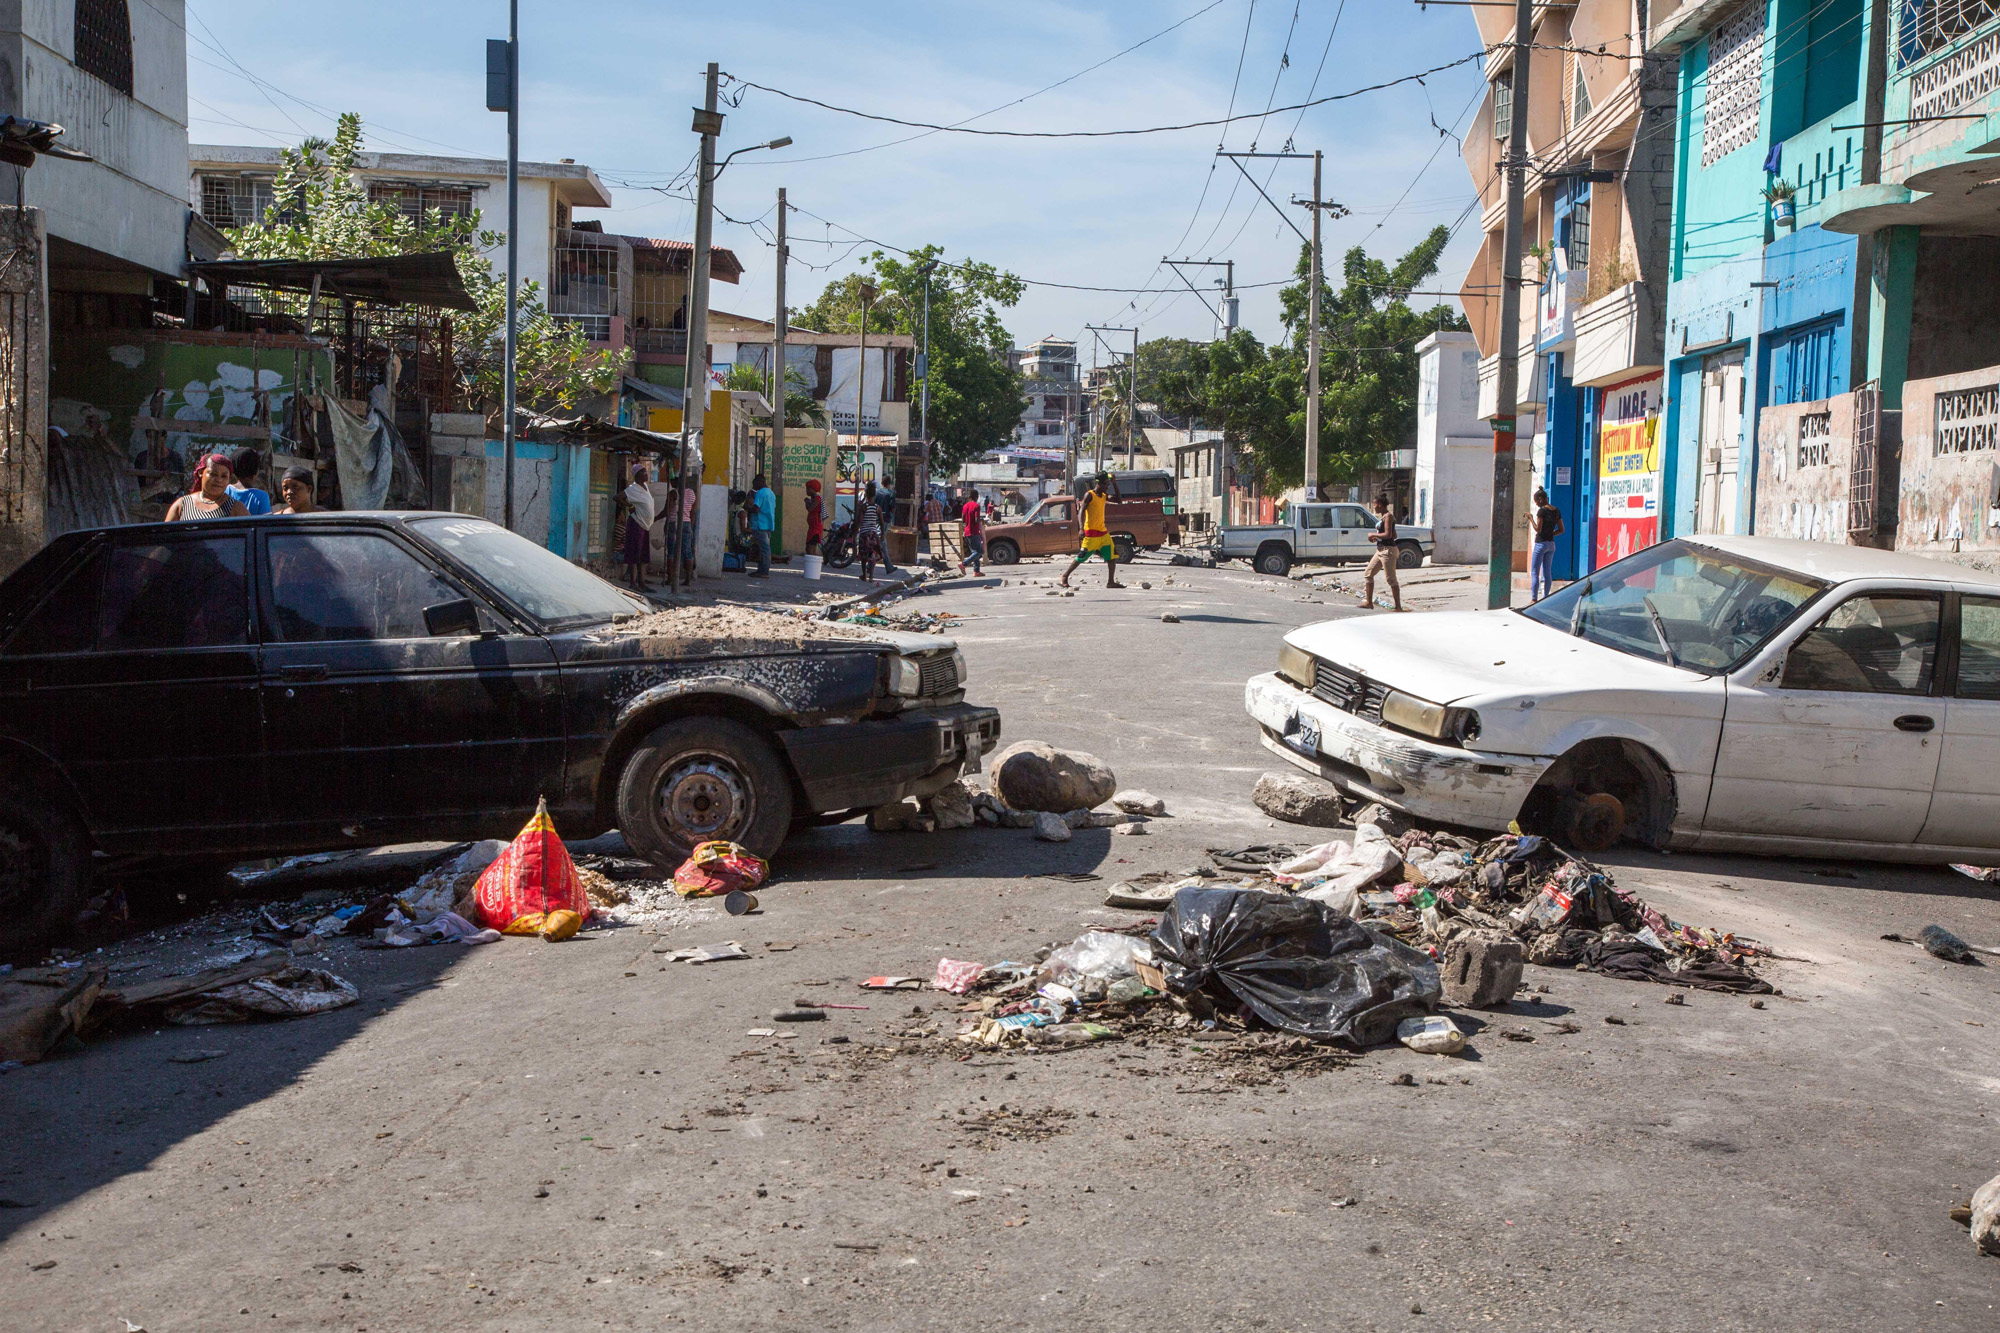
column 533, row 875
column 718, row 868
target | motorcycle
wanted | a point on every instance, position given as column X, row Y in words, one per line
column 840, row 546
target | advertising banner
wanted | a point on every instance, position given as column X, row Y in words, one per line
column 1628, row 489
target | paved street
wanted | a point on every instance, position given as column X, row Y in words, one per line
column 527, row 1136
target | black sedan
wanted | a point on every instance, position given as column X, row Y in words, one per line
column 256, row 687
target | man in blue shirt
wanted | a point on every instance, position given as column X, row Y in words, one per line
column 255, row 499
column 764, row 520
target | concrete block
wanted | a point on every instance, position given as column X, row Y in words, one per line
column 458, row 423
column 1481, row 971
column 458, row 446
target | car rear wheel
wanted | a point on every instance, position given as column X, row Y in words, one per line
column 703, row 779
column 1001, row 551
column 44, row 869
column 1274, row 559
column 1126, row 549
column 1592, row 822
column 1409, row 555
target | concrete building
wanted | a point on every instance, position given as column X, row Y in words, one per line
column 1054, row 394
column 1600, row 128
column 1203, row 475
column 1453, row 474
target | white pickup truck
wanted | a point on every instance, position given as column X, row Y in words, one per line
column 1318, row 533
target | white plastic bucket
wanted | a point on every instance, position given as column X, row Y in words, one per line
column 813, row 564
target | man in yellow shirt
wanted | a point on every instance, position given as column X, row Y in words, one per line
column 1097, row 533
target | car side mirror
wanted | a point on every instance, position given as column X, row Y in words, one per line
column 452, row 619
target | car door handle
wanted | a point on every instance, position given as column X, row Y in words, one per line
column 1915, row 722
column 307, row 671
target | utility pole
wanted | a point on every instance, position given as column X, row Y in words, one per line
column 1132, row 393
column 1500, row 556
column 1225, row 315
column 503, row 93
column 778, row 382
column 867, row 294
column 1318, row 205
column 694, row 391
column 924, row 361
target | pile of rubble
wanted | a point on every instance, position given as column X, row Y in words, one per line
column 1035, row 786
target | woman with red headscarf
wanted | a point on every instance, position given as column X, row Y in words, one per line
column 210, row 497
column 815, row 517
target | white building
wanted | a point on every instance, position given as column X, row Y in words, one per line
column 1054, row 393
column 1454, row 463
column 231, row 186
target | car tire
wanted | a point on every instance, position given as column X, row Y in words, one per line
column 1002, row 552
column 1409, row 555
column 44, row 869
column 1274, row 560
column 703, row 779
column 1125, row 548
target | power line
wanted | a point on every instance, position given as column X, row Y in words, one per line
column 1113, row 134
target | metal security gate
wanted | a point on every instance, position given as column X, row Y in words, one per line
column 23, row 386
column 1864, row 464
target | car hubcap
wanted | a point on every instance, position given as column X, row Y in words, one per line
column 703, row 798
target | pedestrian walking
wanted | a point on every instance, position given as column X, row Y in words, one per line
column 1383, row 562
column 815, row 517
column 972, row 526
column 638, row 536
column 690, row 503
column 1542, row 553
column 210, row 497
column 763, row 522
column 1096, row 539
column 868, row 533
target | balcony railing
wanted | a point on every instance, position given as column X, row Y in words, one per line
column 597, row 328
column 673, row 341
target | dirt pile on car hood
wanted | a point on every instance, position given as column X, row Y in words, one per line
column 742, row 625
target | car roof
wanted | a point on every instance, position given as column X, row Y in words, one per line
column 319, row 516
column 1838, row 564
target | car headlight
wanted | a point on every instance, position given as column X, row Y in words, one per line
column 1296, row 665
column 1461, row 725
column 905, row 677
column 1413, row 714
column 959, row 667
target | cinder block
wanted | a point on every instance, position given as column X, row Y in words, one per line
column 458, row 423
column 1481, row 971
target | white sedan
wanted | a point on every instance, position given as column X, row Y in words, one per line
column 1723, row 693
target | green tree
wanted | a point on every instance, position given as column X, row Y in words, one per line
column 976, row 398
column 321, row 211
column 1159, row 358
column 801, row 408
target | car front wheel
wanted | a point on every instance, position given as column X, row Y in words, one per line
column 1002, row 552
column 1409, row 555
column 44, row 869
column 1274, row 560
column 703, row 779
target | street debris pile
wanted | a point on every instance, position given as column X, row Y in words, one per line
column 741, row 627
column 908, row 622
column 1034, row 786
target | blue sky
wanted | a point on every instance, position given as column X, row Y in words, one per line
column 609, row 83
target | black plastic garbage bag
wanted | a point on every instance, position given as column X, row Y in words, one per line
column 1297, row 964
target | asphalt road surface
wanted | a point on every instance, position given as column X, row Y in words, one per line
column 527, row 1136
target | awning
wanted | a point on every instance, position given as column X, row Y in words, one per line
column 659, row 393
column 600, row 434
column 429, row 279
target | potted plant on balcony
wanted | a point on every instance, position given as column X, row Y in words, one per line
column 1779, row 195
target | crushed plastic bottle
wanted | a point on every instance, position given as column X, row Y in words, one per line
column 1431, row 1034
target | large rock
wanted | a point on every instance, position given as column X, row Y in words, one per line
column 1051, row 828
column 1392, row 822
column 1481, row 971
column 951, row 807
column 1034, row 775
column 1986, row 1216
column 1136, row 802
column 1297, row 800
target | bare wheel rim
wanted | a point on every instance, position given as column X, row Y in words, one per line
column 704, row 798
column 23, row 866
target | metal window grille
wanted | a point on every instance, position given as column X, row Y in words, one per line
column 1732, row 109
column 1815, row 439
column 1967, row 75
column 583, row 278
column 416, row 201
column 235, row 201
column 1579, row 231
column 104, row 42
column 1925, row 27
column 1861, row 468
column 1503, row 105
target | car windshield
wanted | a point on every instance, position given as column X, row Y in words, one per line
column 1681, row 604
column 534, row 578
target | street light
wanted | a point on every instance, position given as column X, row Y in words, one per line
column 924, row 358
column 785, row 142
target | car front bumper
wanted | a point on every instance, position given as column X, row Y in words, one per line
column 1431, row 781
column 879, row 760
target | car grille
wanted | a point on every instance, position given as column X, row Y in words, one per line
column 1349, row 691
column 937, row 675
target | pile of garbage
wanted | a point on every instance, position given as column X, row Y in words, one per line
column 909, row 622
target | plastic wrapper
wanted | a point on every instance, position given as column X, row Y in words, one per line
column 1295, row 963
column 1334, row 873
column 534, row 874
column 1101, row 955
column 717, row 869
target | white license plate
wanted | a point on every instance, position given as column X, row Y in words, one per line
column 1303, row 735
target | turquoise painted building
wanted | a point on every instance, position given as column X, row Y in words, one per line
column 1766, row 305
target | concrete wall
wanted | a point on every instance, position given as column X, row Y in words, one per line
column 24, row 456
column 1945, row 508
column 1453, row 481
column 1802, row 475
column 130, row 201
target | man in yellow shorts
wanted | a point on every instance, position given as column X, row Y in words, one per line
column 1097, row 533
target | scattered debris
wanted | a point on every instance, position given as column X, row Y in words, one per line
column 706, row 953
column 1169, row 618
column 1432, row 1034
column 1135, row 802
column 1051, row 828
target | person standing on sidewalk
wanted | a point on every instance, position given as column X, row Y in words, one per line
column 815, row 517
column 868, row 533
column 1542, row 554
column 638, row 537
column 972, row 526
column 763, row 522
column 1385, row 557
column 1097, row 533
